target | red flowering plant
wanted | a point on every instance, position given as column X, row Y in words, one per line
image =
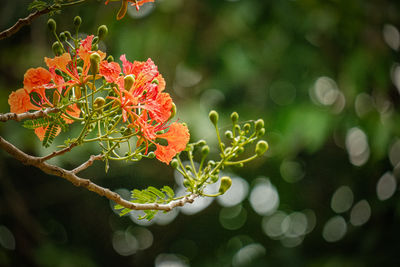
column 124, row 107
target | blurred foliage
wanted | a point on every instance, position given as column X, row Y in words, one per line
column 324, row 76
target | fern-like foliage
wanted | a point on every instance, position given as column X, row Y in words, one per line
column 149, row 196
column 50, row 134
column 36, row 123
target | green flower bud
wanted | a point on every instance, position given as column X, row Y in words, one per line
column 77, row 21
column 214, row 178
column 211, row 162
column 205, row 150
column 68, row 35
column 213, row 115
column 201, row 142
column 234, row 117
column 151, row 155
column 79, row 69
column 240, row 150
column 237, row 127
column 261, row 132
column 187, row 183
column 189, row 168
column 246, row 127
column 102, row 31
column 110, row 58
column 173, row 111
column 99, row 102
column 78, row 92
column 63, row 38
column 226, row 183
column 259, row 124
column 128, row 81
column 229, row 134
column 52, row 25
column 57, row 48
column 94, row 62
column 261, row 147
column 174, row 163
column 95, row 40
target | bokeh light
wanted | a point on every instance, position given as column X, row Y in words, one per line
column 334, row 229
column 386, row 186
column 357, row 146
column 342, row 199
column 360, row 213
column 264, row 197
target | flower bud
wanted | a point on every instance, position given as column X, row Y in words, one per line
column 52, row 25
column 173, row 111
column 229, row 134
column 128, row 81
column 94, row 62
column 110, row 58
column 213, row 115
column 234, row 117
column 261, row 147
column 201, row 142
column 77, row 21
column 63, row 38
column 95, row 40
column 99, row 102
column 214, row 178
column 102, row 31
column 79, row 69
column 151, row 155
column 205, row 150
column 187, row 183
column 78, row 92
column 68, row 35
column 259, row 124
column 57, row 48
column 226, row 183
column 261, row 132
column 246, row 127
column 174, row 163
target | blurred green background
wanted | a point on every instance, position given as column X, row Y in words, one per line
column 324, row 76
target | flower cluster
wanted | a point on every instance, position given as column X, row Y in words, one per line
column 134, row 99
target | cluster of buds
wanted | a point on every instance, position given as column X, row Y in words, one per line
column 115, row 104
column 208, row 172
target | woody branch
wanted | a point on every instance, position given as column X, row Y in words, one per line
column 71, row 176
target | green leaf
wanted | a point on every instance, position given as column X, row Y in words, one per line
column 50, row 134
column 36, row 123
column 168, row 190
column 156, row 192
column 38, row 5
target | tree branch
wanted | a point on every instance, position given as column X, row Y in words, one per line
column 86, row 183
column 23, row 22
column 27, row 115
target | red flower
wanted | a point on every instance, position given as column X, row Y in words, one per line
column 20, row 102
column 177, row 136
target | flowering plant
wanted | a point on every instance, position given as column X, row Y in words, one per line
column 125, row 109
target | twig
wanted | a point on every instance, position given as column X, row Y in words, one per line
column 71, row 176
column 86, row 164
column 23, row 22
column 27, row 115
column 59, row 152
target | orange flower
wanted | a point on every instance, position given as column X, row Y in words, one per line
column 110, row 70
column 20, row 102
column 178, row 136
column 73, row 111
